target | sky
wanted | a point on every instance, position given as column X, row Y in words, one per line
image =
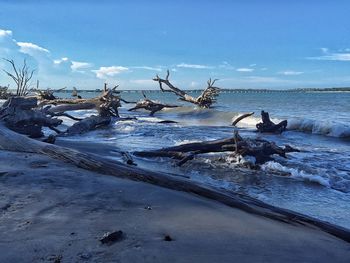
column 244, row 43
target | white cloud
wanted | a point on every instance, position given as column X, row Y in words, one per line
column 245, row 69
column 336, row 57
column 332, row 56
column 29, row 48
column 60, row 60
column 80, row 66
column 290, row 73
column 226, row 65
column 51, row 73
column 107, row 72
column 148, row 68
column 4, row 33
column 194, row 66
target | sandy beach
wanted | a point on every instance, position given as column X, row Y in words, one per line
column 54, row 212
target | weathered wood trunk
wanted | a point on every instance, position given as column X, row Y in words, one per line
column 106, row 104
column 268, row 126
column 260, row 149
column 90, row 123
column 20, row 114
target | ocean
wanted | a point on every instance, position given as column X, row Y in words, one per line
column 315, row 181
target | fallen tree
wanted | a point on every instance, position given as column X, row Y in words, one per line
column 261, row 150
column 12, row 141
column 150, row 105
column 268, row 126
column 106, row 103
column 21, row 115
column 205, row 100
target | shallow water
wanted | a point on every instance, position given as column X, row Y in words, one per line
column 315, row 181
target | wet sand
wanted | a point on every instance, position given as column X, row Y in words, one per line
column 51, row 211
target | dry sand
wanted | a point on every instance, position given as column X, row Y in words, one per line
column 51, row 211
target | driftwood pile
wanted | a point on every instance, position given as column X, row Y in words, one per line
column 25, row 115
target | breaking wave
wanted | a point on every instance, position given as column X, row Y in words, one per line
column 295, row 173
column 327, row 128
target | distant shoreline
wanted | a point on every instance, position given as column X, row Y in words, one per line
column 302, row 90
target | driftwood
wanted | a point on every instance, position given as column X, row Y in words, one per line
column 261, row 150
column 5, row 93
column 268, row 126
column 243, row 116
column 90, row 123
column 205, row 100
column 20, row 114
column 12, row 141
column 47, row 94
column 23, row 115
column 150, row 105
column 75, row 93
column 106, row 104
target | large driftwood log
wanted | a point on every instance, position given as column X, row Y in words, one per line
column 262, row 150
column 106, row 104
column 20, row 114
column 12, row 141
column 150, row 105
column 205, row 100
column 268, row 126
column 90, row 123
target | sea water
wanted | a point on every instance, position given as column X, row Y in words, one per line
column 315, row 181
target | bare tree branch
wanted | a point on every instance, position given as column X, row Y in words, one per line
column 205, row 100
column 21, row 77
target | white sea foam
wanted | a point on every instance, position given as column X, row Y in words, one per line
column 295, row 173
column 125, row 128
column 179, row 142
column 327, row 128
column 149, row 119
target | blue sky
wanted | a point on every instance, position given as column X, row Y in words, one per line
column 245, row 44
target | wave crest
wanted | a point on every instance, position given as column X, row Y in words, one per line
column 327, row 128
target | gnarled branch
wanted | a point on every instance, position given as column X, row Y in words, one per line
column 205, row 100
